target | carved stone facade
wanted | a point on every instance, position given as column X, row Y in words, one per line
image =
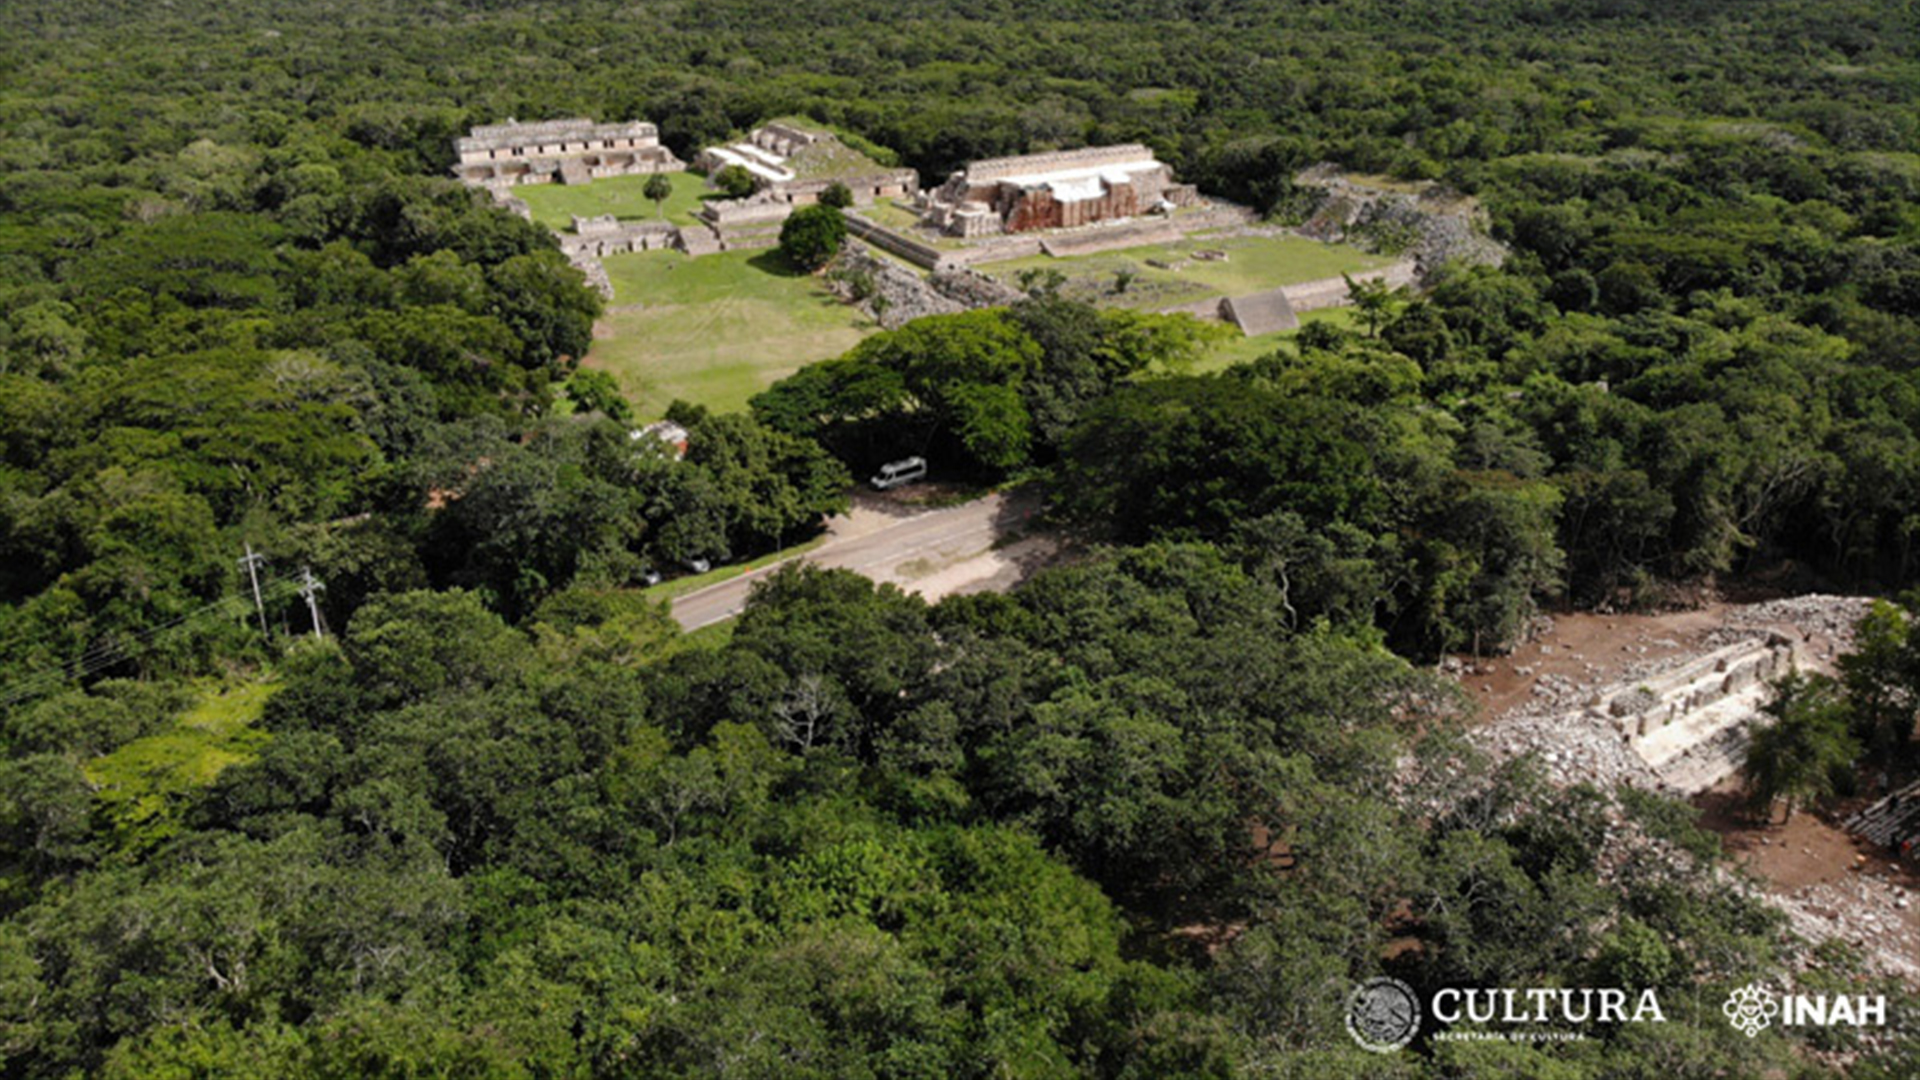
column 606, row 235
column 1054, row 191
column 559, row 151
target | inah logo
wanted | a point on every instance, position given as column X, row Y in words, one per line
column 1750, row 1007
column 1753, row 1007
column 1383, row 1014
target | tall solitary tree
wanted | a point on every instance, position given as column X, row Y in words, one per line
column 812, row 236
column 659, row 188
column 1375, row 301
column 1794, row 759
column 1882, row 677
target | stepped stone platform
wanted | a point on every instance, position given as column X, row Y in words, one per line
column 1261, row 313
column 1690, row 725
column 1893, row 822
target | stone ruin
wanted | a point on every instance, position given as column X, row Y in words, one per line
column 1441, row 224
column 1690, row 724
column 572, row 151
column 908, row 295
column 1646, row 708
column 607, row 235
column 1280, row 309
column 773, row 153
column 1053, row 191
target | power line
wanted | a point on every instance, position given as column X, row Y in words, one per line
column 252, row 562
column 310, row 588
column 115, row 650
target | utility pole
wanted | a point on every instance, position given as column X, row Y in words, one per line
column 252, row 563
column 311, row 588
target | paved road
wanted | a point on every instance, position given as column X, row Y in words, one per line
column 910, row 548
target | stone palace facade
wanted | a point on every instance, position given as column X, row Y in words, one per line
column 1054, row 191
column 559, row 151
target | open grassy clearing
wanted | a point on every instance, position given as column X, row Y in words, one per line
column 890, row 214
column 555, row 205
column 715, row 330
column 1253, row 264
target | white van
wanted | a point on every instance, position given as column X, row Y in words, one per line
column 895, row 473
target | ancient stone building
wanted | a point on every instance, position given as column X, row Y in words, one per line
column 794, row 166
column 563, row 151
column 1053, row 191
column 605, row 235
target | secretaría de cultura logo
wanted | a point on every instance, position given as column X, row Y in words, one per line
column 1385, row 1014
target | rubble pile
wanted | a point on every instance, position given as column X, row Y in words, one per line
column 1865, row 910
column 1572, row 748
column 1441, row 225
column 1814, row 617
column 906, row 295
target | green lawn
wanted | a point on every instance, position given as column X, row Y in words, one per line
column 554, row 205
column 1253, row 264
column 714, row 330
column 889, row 213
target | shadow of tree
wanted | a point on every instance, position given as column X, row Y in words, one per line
column 774, row 261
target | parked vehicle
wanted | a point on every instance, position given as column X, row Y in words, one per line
column 652, row 577
column 699, row 566
column 895, row 473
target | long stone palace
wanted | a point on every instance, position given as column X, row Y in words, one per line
column 574, row 151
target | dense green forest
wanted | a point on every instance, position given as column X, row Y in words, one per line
column 505, row 820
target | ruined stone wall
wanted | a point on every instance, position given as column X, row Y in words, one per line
column 1120, row 234
column 512, row 204
column 759, row 208
column 1086, row 158
column 1642, row 710
column 1213, row 309
column 910, row 296
column 1333, row 292
column 914, row 251
column 893, row 184
column 602, row 236
column 970, row 288
column 997, row 249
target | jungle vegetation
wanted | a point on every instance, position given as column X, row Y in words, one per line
column 504, row 820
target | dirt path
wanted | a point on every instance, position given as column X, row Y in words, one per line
column 1587, row 649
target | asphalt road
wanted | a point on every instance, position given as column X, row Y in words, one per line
column 892, row 553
